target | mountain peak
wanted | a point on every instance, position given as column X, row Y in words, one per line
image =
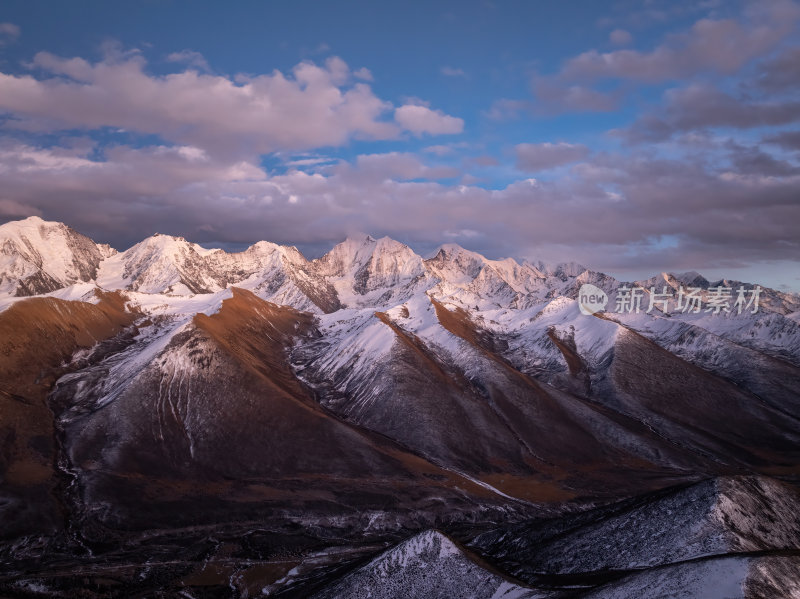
column 353, row 252
column 358, row 238
column 33, row 218
column 453, row 251
column 44, row 256
column 692, row 278
column 364, row 239
column 421, row 567
column 561, row 269
column 361, row 265
column 28, row 223
column 264, row 247
column 162, row 237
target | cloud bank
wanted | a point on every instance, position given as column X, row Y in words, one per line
column 705, row 173
column 313, row 106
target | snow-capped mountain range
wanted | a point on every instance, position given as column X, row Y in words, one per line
column 367, row 394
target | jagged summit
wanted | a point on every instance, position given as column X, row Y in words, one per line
column 693, row 278
column 357, row 250
column 160, row 264
column 362, row 268
column 673, row 280
column 360, row 238
column 561, row 269
column 38, row 256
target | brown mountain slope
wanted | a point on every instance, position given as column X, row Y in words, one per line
column 217, row 428
column 37, row 337
column 667, row 411
column 700, row 410
column 467, row 409
column 586, row 446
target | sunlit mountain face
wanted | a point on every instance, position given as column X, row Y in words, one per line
column 471, row 299
column 187, row 419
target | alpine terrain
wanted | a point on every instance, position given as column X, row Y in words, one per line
column 177, row 421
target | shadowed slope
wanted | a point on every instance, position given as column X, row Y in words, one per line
column 589, row 447
column 38, row 337
column 216, row 426
column 698, row 409
column 433, row 380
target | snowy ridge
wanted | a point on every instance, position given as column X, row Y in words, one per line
column 473, row 279
column 356, row 344
column 527, row 311
column 372, row 272
column 38, row 257
column 712, row 518
column 103, row 382
column 426, row 565
column 360, row 272
column 731, row 537
column 376, row 318
column 159, row 264
column 172, row 266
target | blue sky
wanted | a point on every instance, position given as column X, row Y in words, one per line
column 632, row 137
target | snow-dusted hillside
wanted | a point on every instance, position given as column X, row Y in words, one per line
column 729, row 538
column 428, row 565
column 711, row 518
column 374, row 393
column 500, row 348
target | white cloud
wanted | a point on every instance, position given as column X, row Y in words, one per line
column 421, row 119
column 394, row 165
column 710, row 46
column 363, row 73
column 595, row 214
column 452, row 72
column 190, row 58
column 719, row 45
column 10, row 208
column 313, row 106
column 8, row 33
column 75, row 68
column 309, row 161
column 620, row 37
